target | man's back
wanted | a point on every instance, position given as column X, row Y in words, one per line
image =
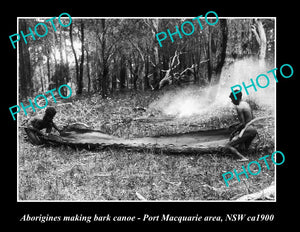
column 244, row 112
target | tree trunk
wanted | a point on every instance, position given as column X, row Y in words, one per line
column 114, row 76
column 209, row 56
column 113, row 83
column 54, row 53
column 88, row 69
column 41, row 77
column 261, row 38
column 169, row 76
column 104, row 80
column 67, row 78
column 61, row 78
column 153, row 24
column 129, row 60
column 48, row 66
column 146, row 71
column 219, row 59
column 122, row 73
column 135, row 77
column 75, row 56
column 80, row 78
column 195, row 61
column 223, row 46
column 104, row 61
column 60, row 49
column 25, row 71
column 156, row 74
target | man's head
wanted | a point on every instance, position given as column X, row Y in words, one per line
column 50, row 113
column 238, row 97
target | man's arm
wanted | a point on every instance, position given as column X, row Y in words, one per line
column 55, row 127
column 49, row 127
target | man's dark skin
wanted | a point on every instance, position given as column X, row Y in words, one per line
column 245, row 115
column 47, row 121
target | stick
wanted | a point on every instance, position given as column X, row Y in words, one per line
column 139, row 196
column 252, row 121
column 268, row 193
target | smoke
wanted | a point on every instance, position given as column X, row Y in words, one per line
column 184, row 102
column 242, row 71
column 194, row 100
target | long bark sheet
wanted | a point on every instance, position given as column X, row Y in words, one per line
column 192, row 142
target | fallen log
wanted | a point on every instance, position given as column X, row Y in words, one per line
column 265, row 194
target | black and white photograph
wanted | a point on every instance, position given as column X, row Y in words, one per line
column 147, row 109
column 149, row 114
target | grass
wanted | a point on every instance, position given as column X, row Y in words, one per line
column 62, row 173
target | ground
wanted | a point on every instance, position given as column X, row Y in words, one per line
column 62, row 173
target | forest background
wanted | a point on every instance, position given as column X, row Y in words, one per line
column 108, row 55
column 126, row 85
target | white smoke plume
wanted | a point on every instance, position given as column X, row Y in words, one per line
column 196, row 100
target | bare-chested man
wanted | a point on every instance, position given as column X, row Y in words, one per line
column 46, row 122
column 245, row 115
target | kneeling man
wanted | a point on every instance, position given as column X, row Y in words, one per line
column 245, row 115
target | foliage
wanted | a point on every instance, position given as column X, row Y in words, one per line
column 124, row 54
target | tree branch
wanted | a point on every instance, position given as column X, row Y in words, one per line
column 150, row 25
column 191, row 69
column 253, row 29
column 176, row 56
column 139, row 50
column 204, row 61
